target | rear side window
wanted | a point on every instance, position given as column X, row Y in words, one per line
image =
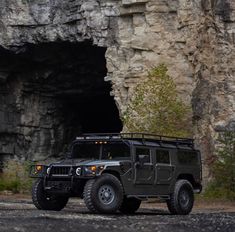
column 187, row 157
column 162, row 156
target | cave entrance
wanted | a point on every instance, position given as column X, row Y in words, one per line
column 59, row 92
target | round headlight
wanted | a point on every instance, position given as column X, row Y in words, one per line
column 48, row 171
column 78, row 171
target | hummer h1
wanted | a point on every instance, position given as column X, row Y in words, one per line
column 115, row 172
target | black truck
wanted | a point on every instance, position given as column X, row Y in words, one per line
column 115, row 172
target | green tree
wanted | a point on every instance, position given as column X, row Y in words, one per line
column 156, row 108
column 223, row 169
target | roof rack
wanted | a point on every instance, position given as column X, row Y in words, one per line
column 139, row 136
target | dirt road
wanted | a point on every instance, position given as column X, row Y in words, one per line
column 20, row 215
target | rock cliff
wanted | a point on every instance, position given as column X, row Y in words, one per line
column 56, row 51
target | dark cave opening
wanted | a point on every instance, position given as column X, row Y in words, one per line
column 49, row 94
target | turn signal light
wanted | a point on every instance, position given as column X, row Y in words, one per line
column 93, row 168
column 39, row 168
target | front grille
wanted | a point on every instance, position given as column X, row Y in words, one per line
column 60, row 171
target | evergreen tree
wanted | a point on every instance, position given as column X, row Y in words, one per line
column 156, row 108
column 223, row 169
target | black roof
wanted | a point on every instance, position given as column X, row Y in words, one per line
column 142, row 137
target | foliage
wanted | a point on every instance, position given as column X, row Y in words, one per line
column 214, row 191
column 156, row 108
column 223, row 169
column 15, row 176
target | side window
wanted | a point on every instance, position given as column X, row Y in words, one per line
column 162, row 156
column 187, row 157
column 143, row 154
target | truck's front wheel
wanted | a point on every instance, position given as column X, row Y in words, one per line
column 104, row 194
column 43, row 201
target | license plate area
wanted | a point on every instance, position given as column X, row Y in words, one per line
column 58, row 185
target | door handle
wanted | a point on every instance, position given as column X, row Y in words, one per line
column 137, row 164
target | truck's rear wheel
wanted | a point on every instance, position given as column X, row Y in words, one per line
column 130, row 205
column 43, row 201
column 182, row 199
column 104, row 194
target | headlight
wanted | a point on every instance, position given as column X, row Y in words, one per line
column 92, row 170
column 78, row 171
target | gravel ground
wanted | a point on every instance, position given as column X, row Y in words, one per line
column 20, row 215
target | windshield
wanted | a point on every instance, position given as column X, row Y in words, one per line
column 92, row 150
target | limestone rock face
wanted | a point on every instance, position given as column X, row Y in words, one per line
column 194, row 38
column 24, row 21
column 196, row 41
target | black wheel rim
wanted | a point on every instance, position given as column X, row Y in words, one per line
column 184, row 198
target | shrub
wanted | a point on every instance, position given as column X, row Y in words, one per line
column 156, row 108
column 15, row 176
column 223, row 169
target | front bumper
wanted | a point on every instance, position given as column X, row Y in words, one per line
column 59, row 186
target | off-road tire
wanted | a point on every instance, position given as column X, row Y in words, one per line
column 42, row 201
column 93, row 196
column 182, row 199
column 130, row 205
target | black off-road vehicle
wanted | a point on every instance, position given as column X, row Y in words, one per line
column 117, row 171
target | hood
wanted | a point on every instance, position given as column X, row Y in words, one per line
column 78, row 162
